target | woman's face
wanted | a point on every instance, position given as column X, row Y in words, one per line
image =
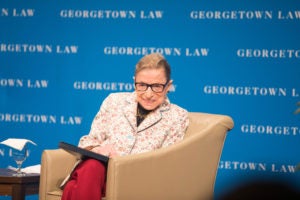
column 149, row 99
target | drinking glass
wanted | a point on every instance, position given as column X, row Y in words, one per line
column 19, row 157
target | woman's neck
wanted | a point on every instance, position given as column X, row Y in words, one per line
column 141, row 114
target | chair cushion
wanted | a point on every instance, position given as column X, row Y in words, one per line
column 56, row 195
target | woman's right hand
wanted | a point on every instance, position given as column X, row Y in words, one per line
column 107, row 150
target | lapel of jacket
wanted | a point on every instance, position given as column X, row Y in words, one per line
column 154, row 117
column 150, row 120
column 130, row 113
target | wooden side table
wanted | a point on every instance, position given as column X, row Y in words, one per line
column 18, row 187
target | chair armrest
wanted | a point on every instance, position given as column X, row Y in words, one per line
column 55, row 166
column 186, row 170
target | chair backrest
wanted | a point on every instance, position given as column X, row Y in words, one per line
column 201, row 121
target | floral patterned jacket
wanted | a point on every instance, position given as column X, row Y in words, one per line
column 115, row 124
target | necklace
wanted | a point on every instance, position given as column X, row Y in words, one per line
column 141, row 112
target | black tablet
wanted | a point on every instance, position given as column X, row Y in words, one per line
column 81, row 153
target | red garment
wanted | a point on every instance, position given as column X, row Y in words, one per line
column 87, row 181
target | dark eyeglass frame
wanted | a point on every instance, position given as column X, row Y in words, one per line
column 163, row 86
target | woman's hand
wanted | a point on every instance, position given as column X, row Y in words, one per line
column 107, row 150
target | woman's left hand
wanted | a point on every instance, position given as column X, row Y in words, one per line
column 107, row 150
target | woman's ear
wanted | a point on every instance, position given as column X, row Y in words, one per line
column 169, row 85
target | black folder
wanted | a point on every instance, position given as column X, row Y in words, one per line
column 81, row 153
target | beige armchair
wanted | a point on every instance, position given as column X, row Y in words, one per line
column 184, row 171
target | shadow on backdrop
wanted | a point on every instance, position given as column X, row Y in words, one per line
column 262, row 189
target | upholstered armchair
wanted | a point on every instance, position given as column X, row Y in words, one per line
column 184, row 171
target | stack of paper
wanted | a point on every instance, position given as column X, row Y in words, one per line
column 36, row 169
column 16, row 143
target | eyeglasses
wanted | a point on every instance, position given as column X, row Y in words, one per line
column 156, row 87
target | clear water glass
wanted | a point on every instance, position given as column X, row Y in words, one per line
column 19, row 157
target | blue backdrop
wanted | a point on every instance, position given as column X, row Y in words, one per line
column 59, row 60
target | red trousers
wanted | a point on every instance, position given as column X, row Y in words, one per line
column 87, row 181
